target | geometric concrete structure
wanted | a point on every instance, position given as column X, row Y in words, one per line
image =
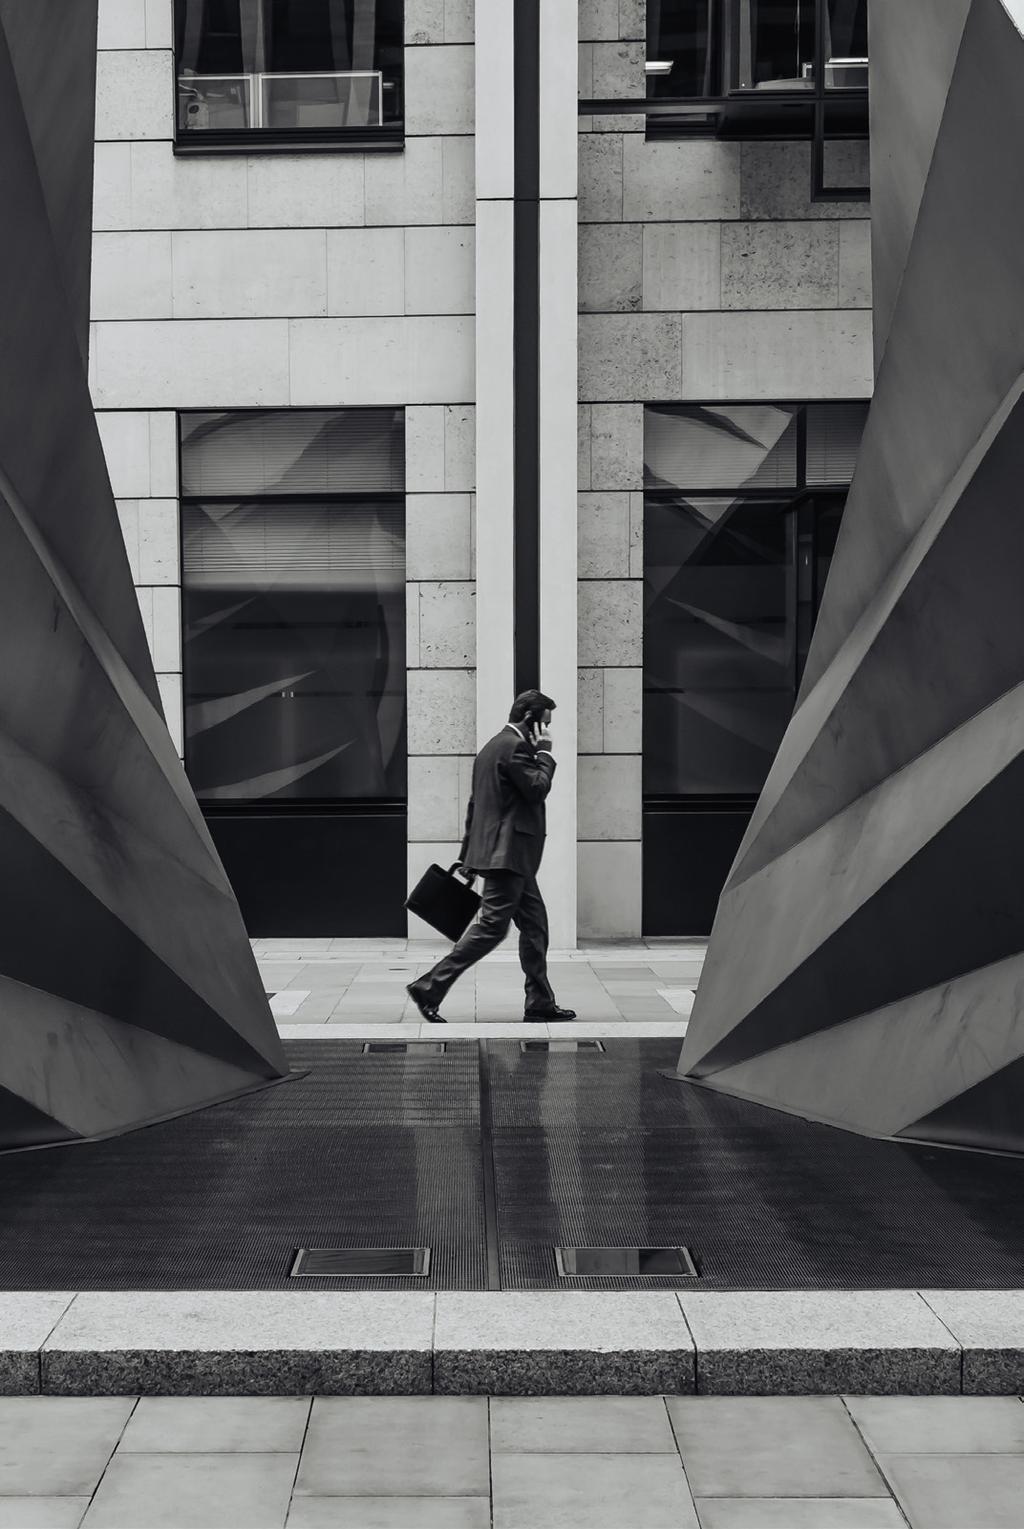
column 128, row 990
column 867, row 961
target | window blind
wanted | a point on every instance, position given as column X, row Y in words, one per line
column 739, row 446
column 833, row 441
column 293, row 451
column 319, row 546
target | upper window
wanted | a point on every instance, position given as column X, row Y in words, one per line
column 288, row 70
column 744, row 66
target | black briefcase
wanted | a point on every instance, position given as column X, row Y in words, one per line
column 444, row 901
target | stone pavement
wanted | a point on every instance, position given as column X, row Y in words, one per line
column 647, row 986
column 511, row 1463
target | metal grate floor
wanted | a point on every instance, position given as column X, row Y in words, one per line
column 588, row 1150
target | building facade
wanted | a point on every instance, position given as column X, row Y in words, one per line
column 436, row 354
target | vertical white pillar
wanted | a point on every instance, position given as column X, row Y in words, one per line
column 558, row 398
column 495, row 168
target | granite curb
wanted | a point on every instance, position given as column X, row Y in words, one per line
column 755, row 1343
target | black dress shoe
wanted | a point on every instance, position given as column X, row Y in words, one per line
column 553, row 1013
column 426, row 1008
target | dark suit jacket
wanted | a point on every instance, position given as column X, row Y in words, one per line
column 505, row 821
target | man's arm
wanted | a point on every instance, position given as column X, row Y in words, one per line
column 531, row 772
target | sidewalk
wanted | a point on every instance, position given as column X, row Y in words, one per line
column 640, row 988
column 511, row 1463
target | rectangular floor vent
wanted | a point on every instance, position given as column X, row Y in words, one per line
column 360, row 1263
column 403, row 1048
column 616, row 1263
column 551, row 1046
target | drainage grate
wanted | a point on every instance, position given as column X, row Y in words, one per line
column 550, row 1046
column 600, row 1263
column 360, row 1263
column 402, row 1048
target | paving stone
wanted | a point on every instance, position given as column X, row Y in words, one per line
column 591, row 1425
column 58, row 1446
column 560, row 1343
column 27, row 1318
column 553, row 1491
column 42, row 1512
column 940, row 1425
column 193, row 1492
column 772, row 1447
column 799, row 1513
column 958, row 1491
column 989, row 1325
column 435, row 1447
column 390, row 1513
column 209, row 1425
column 820, row 1342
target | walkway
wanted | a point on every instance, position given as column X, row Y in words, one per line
column 510, row 1463
column 647, row 986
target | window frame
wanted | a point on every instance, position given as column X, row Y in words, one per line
column 804, row 536
column 389, row 137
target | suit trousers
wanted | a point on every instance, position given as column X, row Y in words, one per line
column 507, row 898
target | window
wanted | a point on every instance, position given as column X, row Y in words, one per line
column 747, row 66
column 742, row 511
column 288, row 71
column 293, row 572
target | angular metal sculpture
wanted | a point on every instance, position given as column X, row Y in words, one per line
column 128, row 990
column 866, row 964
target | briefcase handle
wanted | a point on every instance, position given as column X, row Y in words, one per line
column 458, row 866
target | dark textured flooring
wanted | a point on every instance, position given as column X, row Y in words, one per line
column 491, row 1159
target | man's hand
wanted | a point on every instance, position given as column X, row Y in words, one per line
column 540, row 736
column 467, row 874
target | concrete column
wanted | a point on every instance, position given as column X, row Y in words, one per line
column 558, row 457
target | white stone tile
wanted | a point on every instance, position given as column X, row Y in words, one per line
column 306, row 191
column 679, row 180
column 590, row 705
column 776, row 183
column 611, row 623
column 447, row 625
column 121, row 24
column 437, row 536
column 780, row 265
column 823, row 354
column 681, row 266
column 585, row 70
column 459, row 20
column 633, row 18
column 599, row 20
column 603, row 536
column 437, row 809
column 629, row 356
column 169, row 686
column 381, row 361
column 163, row 454
column 134, row 95
column 636, row 535
column 855, row 265
column 249, row 273
column 439, row 84
column 618, row 71
column 112, row 186
column 424, row 448
column 439, row 270
column 623, row 711
column 600, row 183
column 58, row 1445
column 125, row 438
column 365, row 271
column 609, row 882
column 193, row 192
column 424, row 22
column 442, row 711
column 284, row 1004
column 159, row 557
column 128, row 515
column 159, row 23
column 412, row 625
column 944, row 1425
column 216, row 1424
column 610, row 260
column 458, row 171
column 617, row 446
column 583, row 469
column 131, row 276
column 516, row 1322
column 407, row 187
column 27, row 1317
column 163, row 607
column 459, row 448
column 681, row 998
column 42, row 1512
column 233, row 363
column 609, row 796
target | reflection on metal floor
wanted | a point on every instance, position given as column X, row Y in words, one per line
column 491, row 1157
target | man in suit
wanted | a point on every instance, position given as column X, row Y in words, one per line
column 503, row 843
